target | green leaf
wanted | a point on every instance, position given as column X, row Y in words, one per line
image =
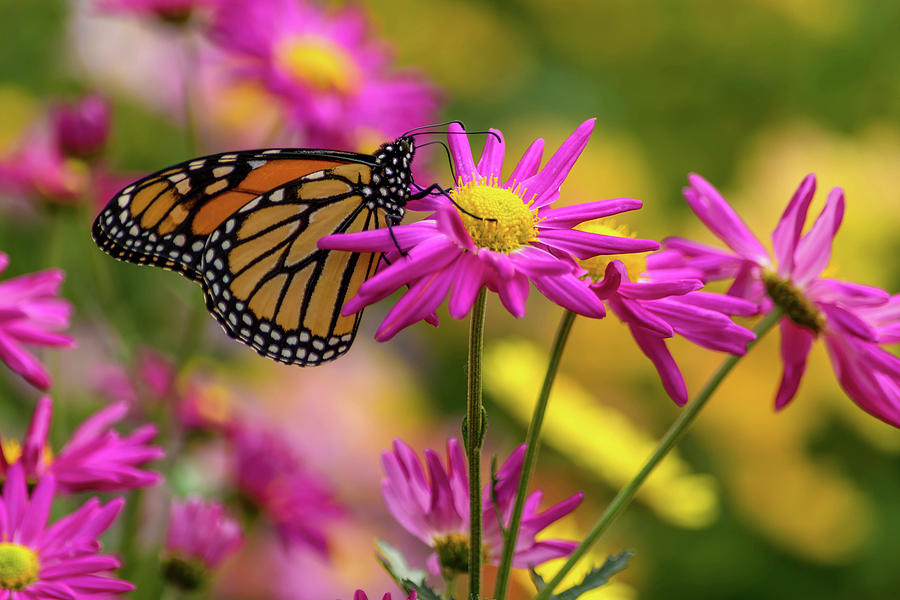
column 406, row 577
column 597, row 577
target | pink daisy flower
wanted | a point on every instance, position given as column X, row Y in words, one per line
column 435, row 508
column 82, row 127
column 95, row 458
column 518, row 237
column 361, row 595
column 61, row 560
column 657, row 301
column 31, row 313
column 851, row 318
column 38, row 170
column 335, row 78
column 200, row 536
column 272, row 478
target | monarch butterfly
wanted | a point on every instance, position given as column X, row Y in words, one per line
column 245, row 225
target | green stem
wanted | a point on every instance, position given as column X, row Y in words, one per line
column 532, row 443
column 668, row 441
column 474, row 437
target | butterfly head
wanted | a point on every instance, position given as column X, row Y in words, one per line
column 391, row 176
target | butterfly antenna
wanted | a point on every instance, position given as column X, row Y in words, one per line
column 487, row 132
column 446, row 150
column 444, row 124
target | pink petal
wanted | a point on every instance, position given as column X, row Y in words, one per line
column 586, row 245
column 461, row 153
column 711, row 208
column 543, row 186
column 795, row 345
column 490, row 166
column 570, row 216
column 648, row 290
column 422, row 299
column 467, row 282
column 655, row 349
column 814, row 249
column 513, row 293
column 36, row 438
column 571, row 293
column 787, row 232
column 529, row 163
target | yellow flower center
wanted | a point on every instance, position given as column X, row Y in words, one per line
column 19, row 566
column 796, row 306
column 12, row 452
column 502, row 221
column 635, row 263
column 319, row 63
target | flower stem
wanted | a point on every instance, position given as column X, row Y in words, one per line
column 474, row 438
column 668, row 441
column 531, row 449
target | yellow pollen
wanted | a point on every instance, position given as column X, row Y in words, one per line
column 19, row 566
column 635, row 263
column 796, row 306
column 502, row 221
column 319, row 63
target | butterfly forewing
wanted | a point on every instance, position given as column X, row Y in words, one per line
column 166, row 218
column 270, row 286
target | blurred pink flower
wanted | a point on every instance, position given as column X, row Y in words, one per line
column 657, row 303
column 30, row 313
column 200, row 536
column 175, row 11
column 270, row 475
column 38, row 170
column 335, row 79
column 82, row 127
column 151, row 377
column 847, row 315
column 361, row 595
column 436, row 509
column 59, row 561
column 96, row 457
column 517, row 238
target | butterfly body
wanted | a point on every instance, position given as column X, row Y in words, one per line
column 244, row 225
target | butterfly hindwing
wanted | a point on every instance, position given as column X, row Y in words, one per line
column 268, row 283
column 166, row 218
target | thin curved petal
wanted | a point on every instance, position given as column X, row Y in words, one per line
column 814, row 249
column 711, row 208
column 490, row 165
column 795, row 345
column 787, row 232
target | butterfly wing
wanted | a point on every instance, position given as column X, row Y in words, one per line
column 268, row 283
column 166, row 218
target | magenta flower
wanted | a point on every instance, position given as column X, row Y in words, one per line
column 518, row 237
column 361, row 595
column 96, row 457
column 31, row 313
column 38, row 170
column 200, row 536
column 152, row 377
column 335, row 79
column 436, row 509
column 81, row 127
column 61, row 561
column 174, row 11
column 269, row 474
column 657, row 301
column 854, row 320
